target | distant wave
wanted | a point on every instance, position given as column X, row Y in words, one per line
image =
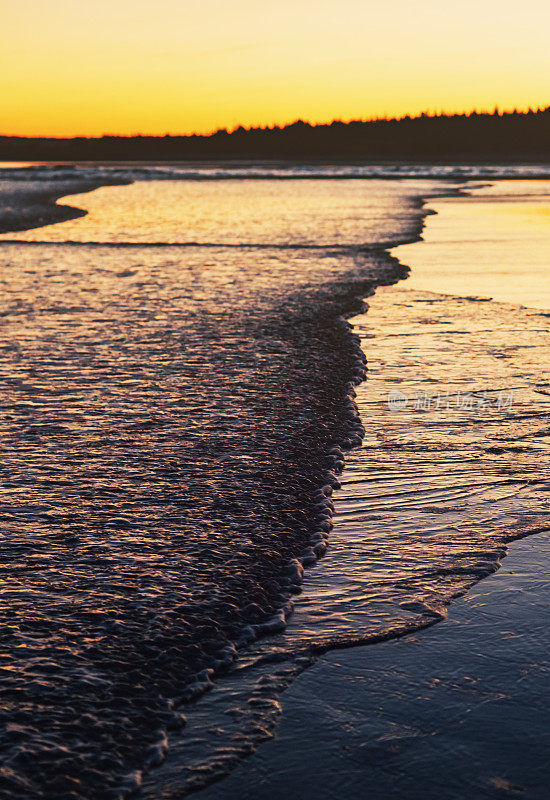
column 258, row 171
column 359, row 251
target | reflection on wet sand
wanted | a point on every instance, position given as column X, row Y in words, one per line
column 443, row 482
column 491, row 242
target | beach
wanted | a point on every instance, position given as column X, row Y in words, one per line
column 275, row 386
column 235, row 514
column 454, row 711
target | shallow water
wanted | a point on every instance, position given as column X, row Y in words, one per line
column 168, row 408
column 446, row 476
column 167, row 413
column 493, row 242
column 237, row 212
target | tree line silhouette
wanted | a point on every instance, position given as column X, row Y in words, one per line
column 496, row 136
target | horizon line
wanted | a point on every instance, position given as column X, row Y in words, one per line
column 427, row 114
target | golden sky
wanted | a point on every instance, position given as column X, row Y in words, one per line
column 69, row 67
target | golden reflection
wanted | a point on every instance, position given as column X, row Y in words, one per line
column 464, row 251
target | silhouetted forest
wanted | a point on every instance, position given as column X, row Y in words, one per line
column 510, row 136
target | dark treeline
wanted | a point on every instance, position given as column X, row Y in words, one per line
column 510, row 136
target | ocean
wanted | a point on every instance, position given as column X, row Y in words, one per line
column 190, row 420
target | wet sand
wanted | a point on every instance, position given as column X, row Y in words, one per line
column 493, row 241
column 457, row 711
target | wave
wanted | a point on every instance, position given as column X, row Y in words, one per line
column 126, row 173
column 177, row 417
column 184, row 423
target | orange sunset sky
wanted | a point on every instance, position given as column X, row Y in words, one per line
column 181, row 66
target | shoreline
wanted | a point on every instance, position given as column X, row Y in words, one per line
column 26, row 205
column 370, row 716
